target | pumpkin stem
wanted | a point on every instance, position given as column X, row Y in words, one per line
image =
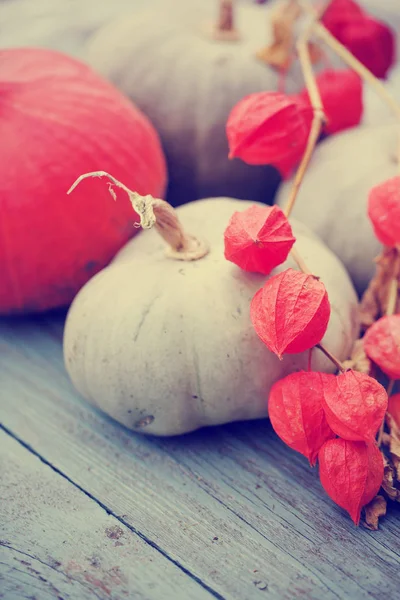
column 157, row 213
column 224, row 29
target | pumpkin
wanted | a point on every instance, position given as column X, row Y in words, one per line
column 187, row 82
column 58, row 118
column 334, row 193
column 62, row 25
column 166, row 346
column 377, row 112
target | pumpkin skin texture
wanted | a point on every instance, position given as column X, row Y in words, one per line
column 58, row 119
column 166, row 347
column 334, row 194
column 187, row 84
column 376, row 111
column 62, row 25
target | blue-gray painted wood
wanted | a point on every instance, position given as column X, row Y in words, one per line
column 231, row 505
column 56, row 542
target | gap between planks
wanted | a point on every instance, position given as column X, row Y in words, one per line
column 108, row 511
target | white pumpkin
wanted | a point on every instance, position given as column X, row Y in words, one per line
column 186, row 82
column 334, row 194
column 376, row 111
column 166, row 346
column 62, row 25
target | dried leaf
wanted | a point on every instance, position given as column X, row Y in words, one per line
column 296, row 413
column 394, row 432
column 375, row 299
column 268, row 128
column 384, row 211
column 373, row 511
column 382, row 344
column 341, row 94
column 358, row 361
column 281, row 53
column 258, row 239
column 355, row 405
column 396, row 466
column 351, row 473
column 389, row 482
column 394, row 408
column 291, row 312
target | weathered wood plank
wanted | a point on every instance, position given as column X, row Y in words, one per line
column 274, row 526
column 58, row 543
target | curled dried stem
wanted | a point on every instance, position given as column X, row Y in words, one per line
column 157, row 213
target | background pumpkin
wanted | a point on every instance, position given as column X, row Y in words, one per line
column 377, row 112
column 187, row 83
column 333, row 196
column 58, row 119
column 166, row 346
column 62, row 25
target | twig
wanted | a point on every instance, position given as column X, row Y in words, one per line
column 332, row 358
column 318, row 118
column 310, row 353
column 300, row 262
column 390, row 309
column 355, row 64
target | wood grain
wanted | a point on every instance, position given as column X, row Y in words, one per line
column 231, row 505
column 58, row 543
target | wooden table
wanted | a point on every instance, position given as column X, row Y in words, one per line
column 91, row 510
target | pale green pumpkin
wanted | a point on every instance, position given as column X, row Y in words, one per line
column 166, row 346
column 187, row 82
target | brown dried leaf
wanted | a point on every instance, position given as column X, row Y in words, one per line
column 358, row 360
column 373, row 511
column 280, row 54
column 375, row 298
column 389, row 482
column 396, row 465
column 394, row 433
